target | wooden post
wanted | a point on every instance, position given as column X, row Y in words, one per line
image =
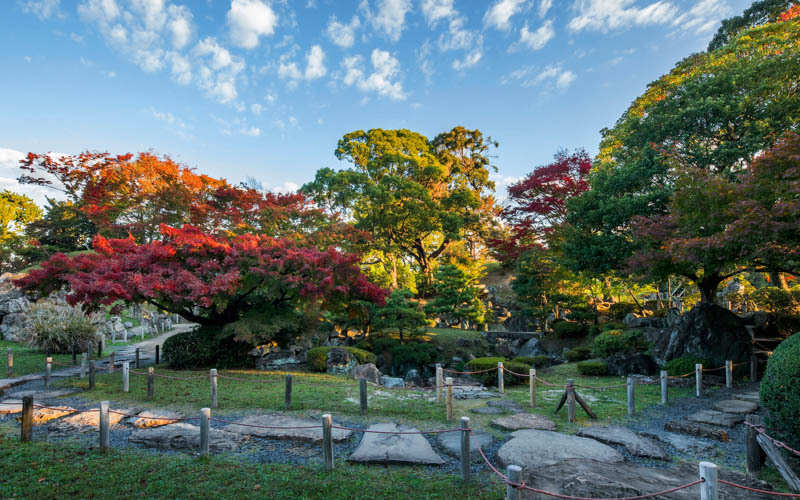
column 708, row 488
column 753, row 368
column 48, row 366
column 465, row 451
column 10, row 363
column 729, row 374
column 288, row 396
column 205, row 427
column 753, row 449
column 126, row 373
column 111, row 362
column 698, row 379
column 27, row 419
column 91, row 375
column 213, row 376
column 100, row 348
column 439, row 382
column 83, row 364
column 514, row 475
column 532, row 381
column 570, row 400
column 104, row 442
column 90, row 349
column 158, row 353
column 448, row 383
column 151, row 382
column 74, row 356
column 362, row 389
column 327, row 441
column 631, row 397
column 137, row 358
column 500, row 386
column 664, row 386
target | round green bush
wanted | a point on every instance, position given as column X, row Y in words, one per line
column 684, row 365
column 780, row 392
column 619, row 310
column 618, row 342
column 535, row 361
column 592, row 368
column 206, row 347
column 490, row 378
column 612, row 325
column 317, row 357
column 578, row 354
column 569, row 330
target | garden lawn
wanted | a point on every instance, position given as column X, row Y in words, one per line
column 54, row 471
column 315, row 393
column 29, row 360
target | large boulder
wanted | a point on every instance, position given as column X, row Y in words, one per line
column 531, row 348
column 629, row 364
column 340, row 361
column 707, row 331
column 369, row 372
column 413, row 377
column 534, row 449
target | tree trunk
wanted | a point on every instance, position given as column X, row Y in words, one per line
column 394, row 271
column 708, row 288
column 778, row 280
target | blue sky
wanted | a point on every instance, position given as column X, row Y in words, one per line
column 265, row 88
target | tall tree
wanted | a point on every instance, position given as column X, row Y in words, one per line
column 16, row 212
column 759, row 13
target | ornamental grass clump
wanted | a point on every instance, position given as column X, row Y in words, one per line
column 56, row 327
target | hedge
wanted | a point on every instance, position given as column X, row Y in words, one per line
column 618, row 342
column 569, row 330
column 490, row 378
column 578, row 354
column 780, row 392
column 593, row 368
column 538, row 361
column 318, row 356
column 685, row 364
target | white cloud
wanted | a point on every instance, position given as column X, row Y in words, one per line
column 111, row 74
column 544, row 7
column 28, row 59
column 424, row 61
column 343, row 35
column 76, row 37
column 167, row 118
column 565, row 79
column 293, row 121
column 436, row 10
column 315, row 66
column 256, row 109
column 386, row 69
column 536, row 40
column 10, row 171
column 180, row 68
column 42, row 9
column 217, row 70
column 469, row 60
column 271, row 98
column 286, row 187
column 553, row 75
column 458, row 37
column 180, row 27
column 390, row 18
column 704, row 17
column 250, row 19
column 606, row 15
column 500, row 13
column 251, row 131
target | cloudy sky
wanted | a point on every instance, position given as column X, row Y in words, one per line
column 265, row 88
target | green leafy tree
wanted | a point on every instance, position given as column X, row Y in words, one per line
column 758, row 14
column 63, row 228
column 403, row 313
column 16, row 212
column 457, row 297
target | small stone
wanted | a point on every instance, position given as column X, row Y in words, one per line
column 487, row 410
column 265, row 423
column 508, row 405
column 537, row 448
column 395, row 448
column 185, row 437
column 155, row 418
column 713, row 417
column 524, row 421
column 392, row 381
column 450, row 442
column 735, row 406
column 635, row 445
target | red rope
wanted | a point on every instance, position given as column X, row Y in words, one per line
column 603, row 388
column 763, row 492
column 779, row 443
column 515, row 373
column 469, row 373
column 546, row 382
column 395, row 432
column 153, row 418
column 268, row 426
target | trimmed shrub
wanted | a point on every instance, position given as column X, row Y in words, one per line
column 618, row 342
column 569, row 330
column 612, row 325
column 490, row 378
column 317, row 357
column 619, row 310
column 780, row 392
column 684, row 365
column 578, row 354
column 538, row 361
column 56, row 327
column 206, row 347
column 592, row 368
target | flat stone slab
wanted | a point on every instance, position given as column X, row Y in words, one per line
column 155, row 418
column 753, row 397
column 487, row 410
column 524, row 421
column 42, row 395
column 736, row 406
column 508, row 405
column 450, row 442
column 473, row 392
column 186, row 437
column 635, row 445
column 44, row 415
column 697, row 429
column 9, row 406
column 265, row 422
column 395, row 448
column 90, row 420
column 718, row 418
column 681, row 443
column 535, row 448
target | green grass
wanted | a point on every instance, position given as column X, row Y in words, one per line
column 29, row 360
column 54, row 471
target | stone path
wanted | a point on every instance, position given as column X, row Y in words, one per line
column 635, row 444
column 395, row 448
column 534, row 449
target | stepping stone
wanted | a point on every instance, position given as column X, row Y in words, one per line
column 636, row 445
column 275, row 420
column 534, row 448
column 681, row 443
column 697, row 429
column 44, row 415
column 9, row 406
column 185, row 437
column 155, row 418
column 473, row 392
column 753, row 397
column 524, row 421
column 713, row 417
column 395, row 448
column 508, row 405
column 450, row 442
column 735, row 406
column 90, row 420
column 39, row 396
column 487, row 410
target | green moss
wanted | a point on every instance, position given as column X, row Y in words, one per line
column 318, row 356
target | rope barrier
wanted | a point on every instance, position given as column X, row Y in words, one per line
column 397, row 432
column 601, row 389
column 756, row 490
column 267, row 426
column 469, row 373
column 515, row 373
column 760, row 430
